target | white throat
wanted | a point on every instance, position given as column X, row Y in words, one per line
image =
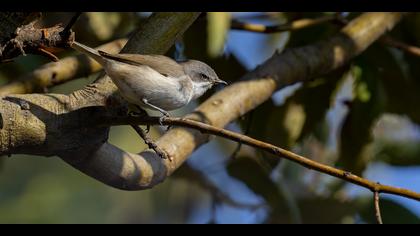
column 199, row 88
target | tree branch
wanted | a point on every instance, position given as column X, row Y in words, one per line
column 295, row 25
column 27, row 38
column 390, row 41
column 149, row 142
column 377, row 208
column 240, row 138
column 51, row 124
column 58, row 119
column 55, row 73
column 304, row 23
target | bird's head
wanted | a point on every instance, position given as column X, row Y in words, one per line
column 202, row 76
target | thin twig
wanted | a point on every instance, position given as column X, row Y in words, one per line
column 259, row 16
column 303, row 23
column 152, row 145
column 377, row 209
column 295, row 25
column 390, row 41
column 303, row 161
column 67, row 30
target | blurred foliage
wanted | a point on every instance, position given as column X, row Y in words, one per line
column 384, row 80
column 257, row 179
column 391, row 211
column 367, row 105
column 335, row 211
column 37, row 190
column 310, row 34
column 399, row 153
column 301, row 115
column 93, row 28
column 217, row 28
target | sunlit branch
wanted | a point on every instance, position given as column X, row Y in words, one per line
column 377, row 209
column 392, row 42
column 303, row 161
column 291, row 26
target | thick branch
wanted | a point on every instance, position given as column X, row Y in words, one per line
column 124, row 170
column 52, row 124
column 10, row 21
column 28, row 38
column 55, row 73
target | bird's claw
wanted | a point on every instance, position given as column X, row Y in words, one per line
column 162, row 119
column 138, row 113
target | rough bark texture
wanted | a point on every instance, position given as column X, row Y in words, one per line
column 49, row 113
column 13, row 20
column 55, row 73
column 20, row 36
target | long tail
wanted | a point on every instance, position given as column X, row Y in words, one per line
column 89, row 51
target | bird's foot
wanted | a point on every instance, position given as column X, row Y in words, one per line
column 139, row 113
column 162, row 119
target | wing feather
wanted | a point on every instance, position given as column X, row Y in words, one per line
column 162, row 64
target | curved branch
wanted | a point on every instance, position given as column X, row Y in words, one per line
column 51, row 124
column 124, row 170
column 375, row 187
column 292, row 66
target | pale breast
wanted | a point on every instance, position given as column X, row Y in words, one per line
column 138, row 82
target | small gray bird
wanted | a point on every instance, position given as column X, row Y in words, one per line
column 155, row 81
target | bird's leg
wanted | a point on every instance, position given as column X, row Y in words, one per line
column 140, row 112
column 143, row 112
column 164, row 113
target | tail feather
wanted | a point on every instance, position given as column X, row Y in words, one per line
column 89, row 51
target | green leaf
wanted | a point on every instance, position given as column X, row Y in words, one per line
column 303, row 113
column 217, row 27
column 402, row 86
column 382, row 86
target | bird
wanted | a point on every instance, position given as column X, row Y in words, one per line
column 155, row 82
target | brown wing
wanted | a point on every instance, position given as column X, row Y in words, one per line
column 162, row 64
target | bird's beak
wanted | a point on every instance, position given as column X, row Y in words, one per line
column 219, row 81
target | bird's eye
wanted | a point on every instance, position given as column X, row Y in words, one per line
column 204, row 76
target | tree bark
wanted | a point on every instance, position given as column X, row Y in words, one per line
column 57, row 123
